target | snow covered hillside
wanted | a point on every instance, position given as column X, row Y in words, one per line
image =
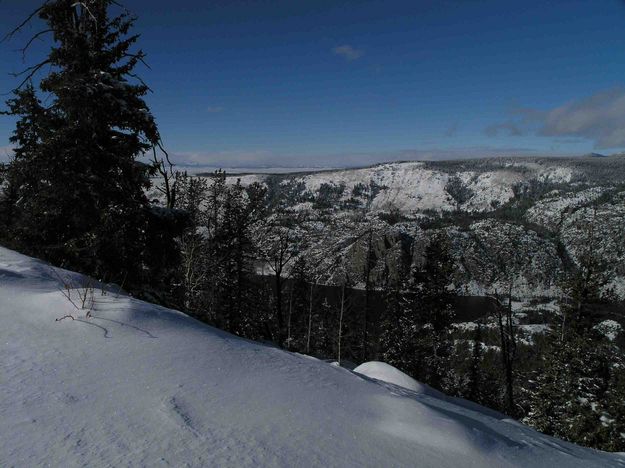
column 140, row 385
column 410, row 187
column 471, row 186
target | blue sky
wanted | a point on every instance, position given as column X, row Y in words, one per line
column 333, row 83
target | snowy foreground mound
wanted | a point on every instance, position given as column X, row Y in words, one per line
column 387, row 373
column 140, row 385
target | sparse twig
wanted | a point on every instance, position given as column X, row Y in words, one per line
column 31, row 72
column 24, row 49
column 121, row 287
column 19, row 27
column 86, row 294
column 64, row 288
column 64, row 317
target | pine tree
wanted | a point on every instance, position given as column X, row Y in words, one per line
column 279, row 247
column 475, row 379
column 615, row 405
column 34, row 125
column 75, row 179
column 192, row 196
column 578, row 393
column 232, row 213
column 369, row 265
column 297, row 319
column 435, row 309
column 417, row 332
column 397, row 323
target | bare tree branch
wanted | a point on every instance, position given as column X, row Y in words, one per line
column 24, row 49
column 138, row 78
column 12, row 33
column 31, row 72
column 170, row 178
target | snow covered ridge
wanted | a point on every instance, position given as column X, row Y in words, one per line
column 408, row 187
column 412, row 187
column 140, row 385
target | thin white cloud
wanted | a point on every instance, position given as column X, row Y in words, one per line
column 214, row 109
column 348, row 52
column 599, row 118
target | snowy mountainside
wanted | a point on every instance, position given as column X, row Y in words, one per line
column 413, row 187
column 535, row 211
column 408, row 187
column 540, row 202
column 136, row 384
column 551, row 210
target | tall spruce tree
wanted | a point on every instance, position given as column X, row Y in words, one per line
column 435, row 306
column 475, row 379
column 416, row 334
column 75, row 185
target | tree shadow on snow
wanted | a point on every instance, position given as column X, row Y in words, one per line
column 105, row 330
column 124, row 324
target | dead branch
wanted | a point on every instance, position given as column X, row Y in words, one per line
column 86, row 293
column 64, row 317
column 12, row 33
column 31, row 72
column 140, row 80
column 140, row 57
column 24, row 49
column 169, row 176
column 65, row 288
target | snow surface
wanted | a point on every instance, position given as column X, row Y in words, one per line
column 141, row 385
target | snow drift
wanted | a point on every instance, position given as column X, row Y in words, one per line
column 141, row 385
column 387, row 373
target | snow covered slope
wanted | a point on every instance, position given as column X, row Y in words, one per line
column 413, row 186
column 140, row 385
column 479, row 186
